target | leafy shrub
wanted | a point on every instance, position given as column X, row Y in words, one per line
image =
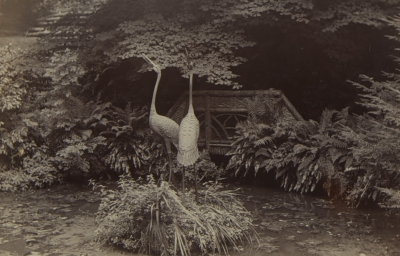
column 14, row 180
column 155, row 219
column 352, row 156
column 43, row 137
column 11, row 81
column 377, row 148
column 376, row 133
column 40, row 168
column 253, row 140
column 53, row 133
column 129, row 143
column 319, row 155
column 36, row 171
column 15, row 127
column 254, row 136
column 302, row 154
column 54, row 115
column 392, row 198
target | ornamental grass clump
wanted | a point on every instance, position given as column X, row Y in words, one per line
column 158, row 220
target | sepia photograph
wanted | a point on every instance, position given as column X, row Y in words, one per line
column 200, row 127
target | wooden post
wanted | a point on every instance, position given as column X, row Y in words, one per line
column 291, row 108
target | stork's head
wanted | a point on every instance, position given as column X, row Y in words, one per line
column 148, row 60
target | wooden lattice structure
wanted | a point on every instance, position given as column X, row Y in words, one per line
column 219, row 112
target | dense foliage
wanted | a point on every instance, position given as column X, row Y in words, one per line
column 348, row 155
column 127, row 136
column 57, row 123
column 51, row 131
column 155, row 219
column 300, row 153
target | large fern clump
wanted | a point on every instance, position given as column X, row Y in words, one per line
column 378, row 137
column 302, row 154
column 317, row 155
column 255, row 137
column 156, row 219
column 130, row 144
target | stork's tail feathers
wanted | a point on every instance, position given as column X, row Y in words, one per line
column 188, row 157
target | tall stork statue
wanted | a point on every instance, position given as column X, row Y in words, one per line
column 162, row 125
column 188, row 152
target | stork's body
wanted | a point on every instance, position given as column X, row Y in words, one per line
column 188, row 152
column 167, row 128
column 189, row 130
column 164, row 126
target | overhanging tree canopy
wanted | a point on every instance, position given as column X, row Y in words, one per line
column 289, row 45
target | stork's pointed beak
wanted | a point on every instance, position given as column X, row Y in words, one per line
column 151, row 63
column 147, row 59
column 189, row 62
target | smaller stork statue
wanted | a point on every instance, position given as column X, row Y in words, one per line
column 162, row 125
column 189, row 129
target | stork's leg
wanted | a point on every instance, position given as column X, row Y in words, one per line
column 183, row 179
column 171, row 173
column 168, row 148
column 195, row 181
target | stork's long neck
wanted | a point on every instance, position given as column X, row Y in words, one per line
column 153, row 101
column 190, row 110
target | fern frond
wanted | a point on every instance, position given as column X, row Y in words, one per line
column 306, row 162
column 265, row 141
column 326, row 120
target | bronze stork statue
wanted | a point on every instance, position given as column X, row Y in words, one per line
column 189, row 130
column 167, row 128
